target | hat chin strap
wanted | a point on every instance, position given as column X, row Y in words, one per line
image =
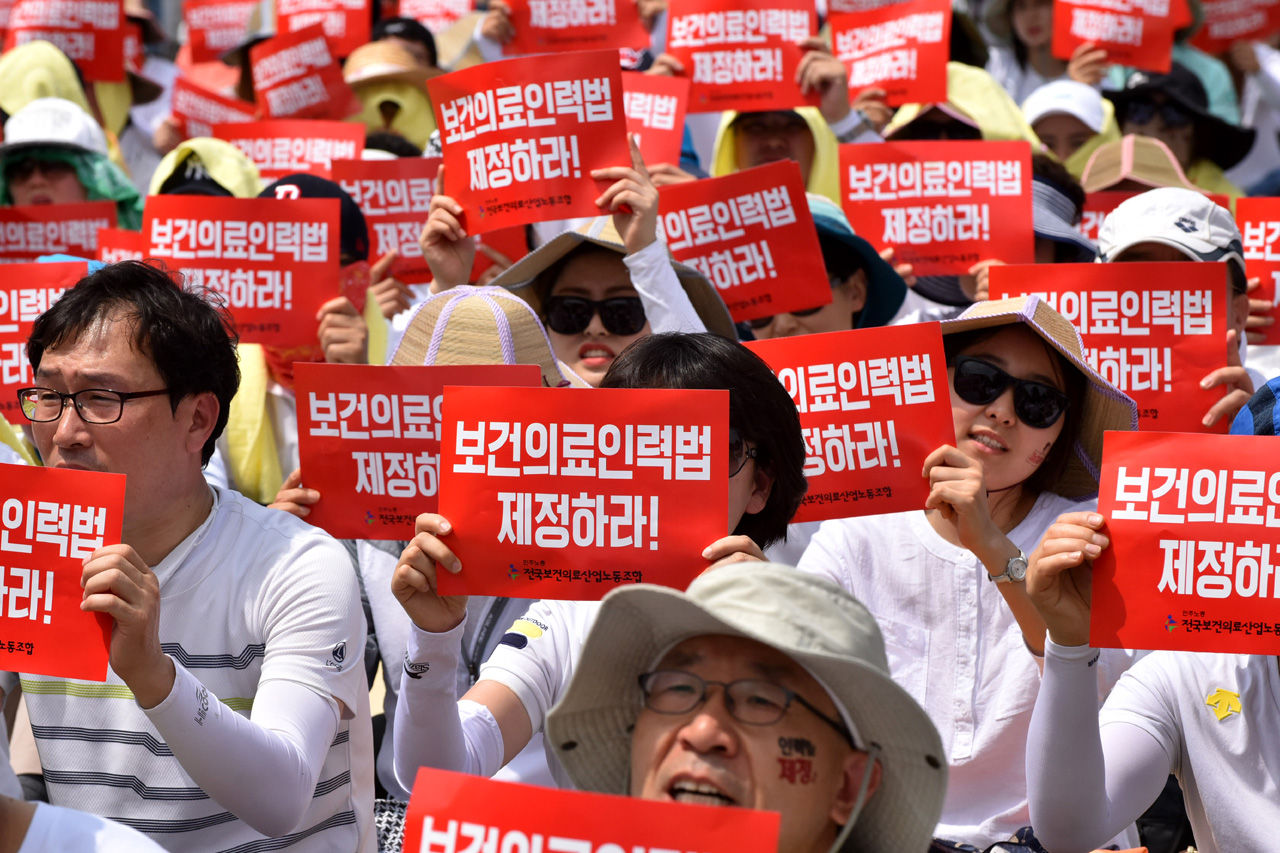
column 873, row 753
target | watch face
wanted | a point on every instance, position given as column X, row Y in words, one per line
column 1018, row 568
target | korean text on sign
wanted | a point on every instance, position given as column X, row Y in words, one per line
column 1259, row 220
column 279, row 147
column 942, row 206
column 197, row 109
column 901, row 48
column 655, row 108
column 273, row 262
column 345, row 23
column 369, row 439
column 521, row 136
column 436, row 15
column 1138, row 33
column 50, row 521
column 873, row 404
column 581, row 485
column 547, row 26
column 27, row 291
column 751, row 234
column 395, row 197
column 295, row 75
column 28, row 232
column 215, row 26
column 1227, row 21
column 740, row 55
column 453, row 813
column 1152, row 330
column 1195, row 544
column 89, row 32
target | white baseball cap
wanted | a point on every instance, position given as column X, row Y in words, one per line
column 53, row 123
column 1186, row 220
column 1065, row 97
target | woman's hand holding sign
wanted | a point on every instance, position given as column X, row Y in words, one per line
column 1060, row 575
column 449, row 252
column 633, row 199
column 414, row 581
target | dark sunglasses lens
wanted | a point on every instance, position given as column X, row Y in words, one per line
column 568, row 316
column 977, row 382
column 1038, row 406
column 760, row 322
column 623, row 315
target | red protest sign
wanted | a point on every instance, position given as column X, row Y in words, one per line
column 751, row 234
column 741, row 54
column 1193, row 544
column 295, row 76
column 1098, row 205
column 521, row 136
column 1153, row 330
column 30, row 231
column 395, row 196
column 564, row 494
column 90, row 32
column 1137, row 33
column 275, row 262
column 369, row 440
column 27, row 292
column 447, row 808
column 873, row 404
column 941, row 206
column 118, row 244
column 901, row 48
column 1259, row 220
column 52, row 519
column 345, row 22
column 281, row 147
column 1228, row 21
column 436, row 15
column 215, row 26
column 550, row 26
column 5, row 7
column 198, row 109
column 655, row 106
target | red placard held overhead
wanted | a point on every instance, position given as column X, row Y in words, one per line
column 449, row 811
column 1098, row 205
column 1259, row 220
column 198, row 109
column 751, row 234
column 1137, row 33
column 5, row 7
column 655, row 106
column 51, row 519
column 119, row 244
column 215, row 26
column 395, row 196
column 1228, row 21
column 30, row 231
column 563, row 494
column 741, row 54
column 275, row 262
column 901, row 48
column 369, row 439
column 521, row 136
column 436, row 15
column 1194, row 522
column 283, row 146
column 1153, row 330
column 873, row 404
column 551, row 26
column 26, row 292
column 295, row 76
column 942, row 206
column 90, row 32
column 345, row 22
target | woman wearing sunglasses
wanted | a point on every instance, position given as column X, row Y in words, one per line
column 946, row 584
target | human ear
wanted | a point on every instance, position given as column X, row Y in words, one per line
column 204, row 409
column 846, row 797
column 856, row 287
column 762, row 487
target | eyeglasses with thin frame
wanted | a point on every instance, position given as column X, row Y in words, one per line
column 753, row 701
column 739, row 453
column 94, row 405
column 979, row 382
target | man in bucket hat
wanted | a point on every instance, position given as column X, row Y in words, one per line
column 760, row 687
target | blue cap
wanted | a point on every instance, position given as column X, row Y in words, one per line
column 1259, row 416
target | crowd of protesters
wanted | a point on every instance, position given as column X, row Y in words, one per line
column 272, row 688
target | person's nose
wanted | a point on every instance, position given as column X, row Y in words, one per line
column 711, row 728
column 70, row 429
column 1000, row 409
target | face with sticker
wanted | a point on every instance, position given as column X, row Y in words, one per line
column 700, row 741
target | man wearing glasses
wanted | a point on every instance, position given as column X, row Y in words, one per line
column 218, row 605
column 762, row 688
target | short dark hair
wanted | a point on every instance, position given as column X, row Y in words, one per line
column 409, row 30
column 392, row 143
column 191, row 342
column 759, row 407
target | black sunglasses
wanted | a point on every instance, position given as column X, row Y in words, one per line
column 979, row 382
column 570, row 315
column 761, row 322
column 1143, row 112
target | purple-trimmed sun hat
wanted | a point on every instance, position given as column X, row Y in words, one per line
column 1106, row 407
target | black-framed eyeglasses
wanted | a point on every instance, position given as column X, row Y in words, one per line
column 570, row 315
column 23, row 169
column 753, row 701
column 95, row 405
column 979, row 382
column 1144, row 112
column 739, row 453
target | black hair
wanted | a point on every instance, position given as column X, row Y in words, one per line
column 839, row 258
column 408, row 29
column 191, row 342
column 392, row 143
column 759, row 408
column 1074, row 384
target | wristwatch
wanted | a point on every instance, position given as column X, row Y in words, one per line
column 1014, row 571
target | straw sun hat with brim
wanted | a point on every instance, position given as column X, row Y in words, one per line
column 601, row 232
column 1142, row 159
column 384, row 62
column 481, row 325
column 1105, row 406
column 810, row 620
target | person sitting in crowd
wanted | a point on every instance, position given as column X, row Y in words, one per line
column 946, row 584
column 1071, row 119
column 37, row 827
column 134, row 376
column 758, row 688
column 208, row 167
column 391, row 86
column 407, row 33
column 1134, row 164
column 1021, row 59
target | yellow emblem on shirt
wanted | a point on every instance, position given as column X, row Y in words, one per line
column 1224, row 703
column 530, row 630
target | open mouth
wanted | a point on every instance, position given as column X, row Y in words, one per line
column 699, row 794
column 989, row 441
